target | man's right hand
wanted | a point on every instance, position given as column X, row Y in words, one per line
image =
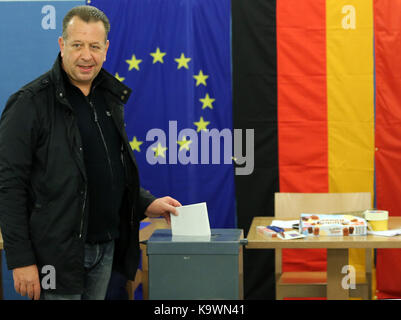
column 26, row 281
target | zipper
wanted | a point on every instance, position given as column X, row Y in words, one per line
column 103, row 140
column 122, row 158
column 104, row 143
column 83, row 215
column 126, row 177
column 108, row 156
column 132, row 217
column 64, row 101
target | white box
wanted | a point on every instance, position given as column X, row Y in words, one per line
column 311, row 224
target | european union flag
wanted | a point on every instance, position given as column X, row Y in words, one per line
column 175, row 55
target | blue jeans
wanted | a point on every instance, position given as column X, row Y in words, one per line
column 98, row 262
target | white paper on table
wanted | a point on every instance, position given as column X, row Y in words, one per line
column 284, row 224
column 386, row 233
column 192, row 221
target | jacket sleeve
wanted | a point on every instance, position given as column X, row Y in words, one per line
column 145, row 199
column 17, row 136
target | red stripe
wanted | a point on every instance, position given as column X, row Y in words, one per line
column 302, row 110
column 302, row 99
column 387, row 19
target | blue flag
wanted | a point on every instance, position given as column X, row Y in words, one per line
column 176, row 57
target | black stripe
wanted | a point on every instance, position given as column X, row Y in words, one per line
column 255, row 107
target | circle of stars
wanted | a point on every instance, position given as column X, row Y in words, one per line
column 201, row 80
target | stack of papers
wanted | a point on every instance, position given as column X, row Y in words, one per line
column 284, row 224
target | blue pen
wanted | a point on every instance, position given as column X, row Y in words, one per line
column 275, row 229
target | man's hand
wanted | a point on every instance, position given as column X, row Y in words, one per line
column 26, row 281
column 163, row 207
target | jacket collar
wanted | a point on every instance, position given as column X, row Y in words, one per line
column 119, row 90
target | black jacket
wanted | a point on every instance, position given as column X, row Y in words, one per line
column 43, row 183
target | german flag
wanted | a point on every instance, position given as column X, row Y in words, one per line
column 318, row 81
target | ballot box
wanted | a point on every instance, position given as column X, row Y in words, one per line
column 187, row 268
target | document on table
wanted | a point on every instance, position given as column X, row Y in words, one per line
column 386, row 233
column 284, row 224
column 192, row 221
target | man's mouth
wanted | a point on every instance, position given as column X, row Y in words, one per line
column 85, row 68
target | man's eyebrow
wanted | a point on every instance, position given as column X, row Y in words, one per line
column 80, row 41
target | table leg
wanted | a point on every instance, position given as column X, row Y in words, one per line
column 336, row 260
column 1, row 276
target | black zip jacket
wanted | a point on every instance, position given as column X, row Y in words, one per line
column 102, row 156
column 43, row 182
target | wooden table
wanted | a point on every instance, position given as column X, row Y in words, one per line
column 337, row 249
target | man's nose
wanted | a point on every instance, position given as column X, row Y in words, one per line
column 85, row 53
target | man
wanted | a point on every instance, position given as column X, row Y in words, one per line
column 70, row 198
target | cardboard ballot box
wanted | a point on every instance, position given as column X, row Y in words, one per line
column 191, row 268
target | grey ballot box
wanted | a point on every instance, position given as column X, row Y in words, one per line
column 190, row 269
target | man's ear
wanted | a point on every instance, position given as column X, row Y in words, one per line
column 107, row 48
column 61, row 45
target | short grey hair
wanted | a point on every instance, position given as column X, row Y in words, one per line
column 87, row 14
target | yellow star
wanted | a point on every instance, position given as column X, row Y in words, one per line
column 135, row 144
column 201, row 78
column 133, row 63
column 201, row 124
column 184, row 143
column 158, row 56
column 182, row 61
column 207, row 102
column 121, row 79
column 159, row 151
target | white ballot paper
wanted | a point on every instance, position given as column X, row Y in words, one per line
column 192, row 222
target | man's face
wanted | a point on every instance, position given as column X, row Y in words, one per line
column 84, row 51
